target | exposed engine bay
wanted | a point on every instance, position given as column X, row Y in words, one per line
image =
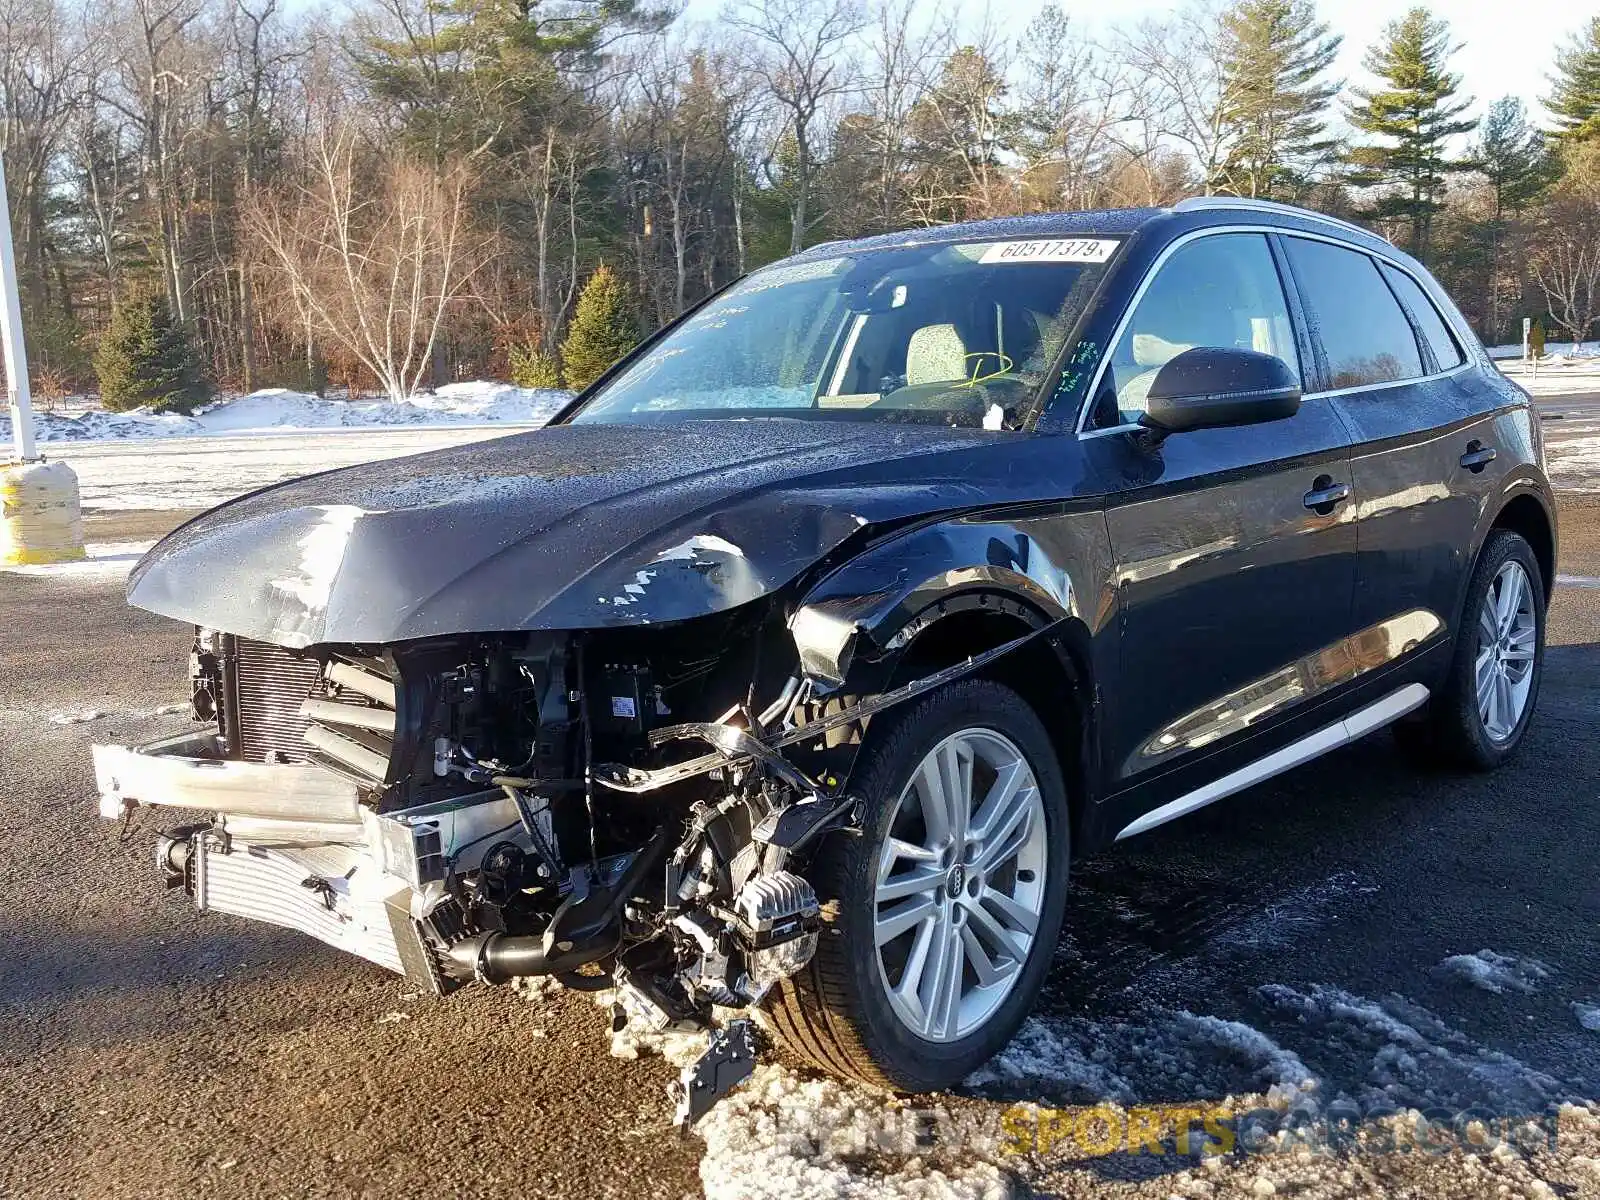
column 631, row 808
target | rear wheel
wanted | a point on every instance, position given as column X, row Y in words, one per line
column 1478, row 718
column 941, row 919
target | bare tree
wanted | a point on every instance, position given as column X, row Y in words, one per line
column 801, row 53
column 43, row 83
column 965, row 129
column 1184, row 91
column 371, row 255
column 1073, row 96
column 896, row 83
column 1565, row 257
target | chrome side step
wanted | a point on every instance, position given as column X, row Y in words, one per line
column 1330, row 737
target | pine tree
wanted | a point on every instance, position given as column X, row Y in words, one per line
column 531, row 367
column 145, row 359
column 603, row 329
column 1415, row 116
column 1513, row 157
column 1575, row 87
column 1275, row 96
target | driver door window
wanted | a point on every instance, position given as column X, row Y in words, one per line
column 1216, row 291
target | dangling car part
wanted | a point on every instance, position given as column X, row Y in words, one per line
column 783, row 669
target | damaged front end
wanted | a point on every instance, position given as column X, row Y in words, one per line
column 629, row 808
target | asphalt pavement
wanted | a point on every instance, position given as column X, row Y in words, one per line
column 146, row 1050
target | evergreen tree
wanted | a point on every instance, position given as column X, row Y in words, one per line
column 1575, row 87
column 531, row 367
column 603, row 329
column 1414, row 116
column 1275, row 96
column 145, row 359
column 1514, row 159
column 489, row 75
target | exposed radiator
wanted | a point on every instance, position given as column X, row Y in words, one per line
column 269, row 683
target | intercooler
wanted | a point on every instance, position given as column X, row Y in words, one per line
column 335, row 893
column 266, row 685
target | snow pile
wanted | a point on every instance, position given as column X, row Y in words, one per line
column 1415, row 1058
column 278, row 409
column 82, row 717
column 1555, row 376
column 1498, row 973
column 1081, row 1060
column 1551, row 354
column 791, row 1138
column 1588, row 1015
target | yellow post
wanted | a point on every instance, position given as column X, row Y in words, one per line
column 40, row 520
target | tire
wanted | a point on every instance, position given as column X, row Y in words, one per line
column 837, row 1014
column 1455, row 730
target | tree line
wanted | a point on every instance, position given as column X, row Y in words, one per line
column 397, row 193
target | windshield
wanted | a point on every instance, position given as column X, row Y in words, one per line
column 956, row 334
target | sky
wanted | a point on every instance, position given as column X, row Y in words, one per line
column 1502, row 53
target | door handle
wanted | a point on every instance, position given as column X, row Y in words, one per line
column 1477, row 457
column 1326, row 495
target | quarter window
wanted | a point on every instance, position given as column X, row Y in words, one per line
column 1216, row 291
column 1446, row 354
column 1363, row 330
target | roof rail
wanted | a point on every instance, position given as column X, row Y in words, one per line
column 1273, row 206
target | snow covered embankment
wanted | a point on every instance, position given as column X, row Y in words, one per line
column 278, row 410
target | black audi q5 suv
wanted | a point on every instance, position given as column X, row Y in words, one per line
column 791, row 665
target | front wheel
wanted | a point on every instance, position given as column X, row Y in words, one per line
column 942, row 917
column 1479, row 716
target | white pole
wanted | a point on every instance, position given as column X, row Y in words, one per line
column 16, row 356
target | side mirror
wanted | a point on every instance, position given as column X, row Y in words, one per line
column 1211, row 386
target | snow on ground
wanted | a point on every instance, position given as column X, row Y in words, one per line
column 76, row 716
column 204, row 471
column 1573, row 463
column 1555, row 376
column 803, row 1136
column 1588, row 1015
column 1498, row 973
column 1088, row 1061
column 279, row 410
column 104, row 560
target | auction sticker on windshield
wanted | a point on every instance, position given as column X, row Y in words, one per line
column 1074, row 250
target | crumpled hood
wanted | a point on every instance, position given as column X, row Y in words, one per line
column 573, row 526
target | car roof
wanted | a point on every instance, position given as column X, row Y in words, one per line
column 1194, row 213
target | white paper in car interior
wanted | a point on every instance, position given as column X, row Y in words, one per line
column 1074, row 250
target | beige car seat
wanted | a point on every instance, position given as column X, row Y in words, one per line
column 935, row 354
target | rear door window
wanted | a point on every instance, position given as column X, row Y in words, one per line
column 1364, row 332
column 1446, row 353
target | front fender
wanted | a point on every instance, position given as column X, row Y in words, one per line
column 1043, row 564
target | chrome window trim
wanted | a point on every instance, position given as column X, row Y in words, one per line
column 1087, row 406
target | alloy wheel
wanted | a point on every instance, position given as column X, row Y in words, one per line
column 960, row 885
column 1508, row 633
